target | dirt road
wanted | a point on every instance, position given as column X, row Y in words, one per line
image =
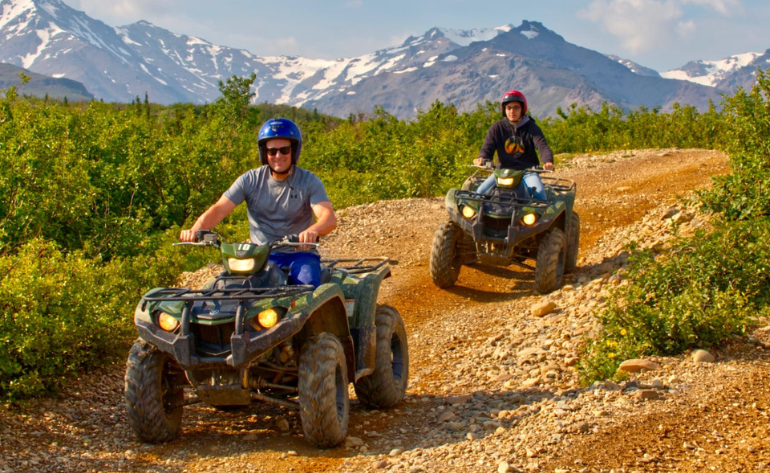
column 492, row 388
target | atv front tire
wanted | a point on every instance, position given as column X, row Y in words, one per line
column 445, row 263
column 549, row 267
column 153, row 398
column 323, row 391
column 386, row 386
column 572, row 244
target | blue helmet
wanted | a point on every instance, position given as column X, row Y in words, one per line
column 280, row 128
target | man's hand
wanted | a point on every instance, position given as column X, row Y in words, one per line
column 308, row 236
column 548, row 166
column 187, row 235
column 478, row 161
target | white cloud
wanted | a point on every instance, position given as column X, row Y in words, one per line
column 649, row 25
column 125, row 10
column 724, row 7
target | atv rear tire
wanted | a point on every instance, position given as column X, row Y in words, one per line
column 549, row 268
column 323, row 391
column 153, row 398
column 386, row 386
column 445, row 263
column 572, row 245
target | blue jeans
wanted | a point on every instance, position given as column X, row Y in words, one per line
column 304, row 267
column 530, row 185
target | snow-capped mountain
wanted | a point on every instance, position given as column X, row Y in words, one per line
column 726, row 74
column 634, row 67
column 457, row 66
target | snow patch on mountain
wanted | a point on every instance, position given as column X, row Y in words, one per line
column 466, row 37
column 710, row 73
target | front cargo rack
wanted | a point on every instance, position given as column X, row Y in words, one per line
column 185, row 294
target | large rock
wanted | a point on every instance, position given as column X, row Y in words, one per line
column 702, row 356
column 543, row 308
column 638, row 365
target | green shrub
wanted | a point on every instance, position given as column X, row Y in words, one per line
column 62, row 313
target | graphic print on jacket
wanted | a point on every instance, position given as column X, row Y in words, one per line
column 514, row 145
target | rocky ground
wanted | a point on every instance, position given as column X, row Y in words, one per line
column 493, row 386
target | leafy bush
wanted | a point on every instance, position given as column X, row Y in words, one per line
column 62, row 313
column 710, row 287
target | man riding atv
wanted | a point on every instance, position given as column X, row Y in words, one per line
column 282, row 200
column 507, row 215
column 515, row 138
column 275, row 326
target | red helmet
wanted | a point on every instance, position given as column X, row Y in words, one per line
column 514, row 96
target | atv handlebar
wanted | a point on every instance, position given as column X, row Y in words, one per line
column 536, row 169
column 209, row 238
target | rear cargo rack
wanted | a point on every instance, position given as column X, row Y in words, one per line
column 357, row 265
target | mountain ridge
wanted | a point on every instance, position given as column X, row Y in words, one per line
column 464, row 67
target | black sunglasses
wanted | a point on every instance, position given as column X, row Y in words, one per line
column 274, row 151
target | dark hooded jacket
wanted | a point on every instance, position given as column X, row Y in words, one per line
column 515, row 146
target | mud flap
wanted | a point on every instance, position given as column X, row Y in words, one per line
column 365, row 342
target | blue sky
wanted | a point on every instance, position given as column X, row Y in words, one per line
column 660, row 34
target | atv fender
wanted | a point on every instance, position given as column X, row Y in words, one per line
column 362, row 291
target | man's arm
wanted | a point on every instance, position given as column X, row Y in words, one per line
column 326, row 221
column 210, row 218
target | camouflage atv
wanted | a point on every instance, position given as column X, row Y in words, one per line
column 249, row 337
column 502, row 228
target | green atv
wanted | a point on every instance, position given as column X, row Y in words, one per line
column 249, row 337
column 502, row 228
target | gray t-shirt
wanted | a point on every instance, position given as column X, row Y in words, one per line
column 277, row 208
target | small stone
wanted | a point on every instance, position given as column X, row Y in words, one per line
column 381, row 465
column 503, row 467
column 351, row 442
column 648, row 394
column 471, row 436
column 446, row 415
column 456, row 400
column 543, row 308
column 455, row 425
column 702, row 356
column 657, row 384
column 637, row 365
column 611, row 386
column 282, row 425
column 396, row 452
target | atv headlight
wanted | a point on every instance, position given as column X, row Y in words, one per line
column 529, row 219
column 505, row 182
column 240, row 265
column 166, row 322
column 267, row 318
column 468, row 212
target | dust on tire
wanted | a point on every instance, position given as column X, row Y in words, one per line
column 445, row 263
column 386, row 386
column 549, row 268
column 153, row 400
column 570, row 263
column 323, row 391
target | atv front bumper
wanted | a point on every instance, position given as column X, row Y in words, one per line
column 244, row 347
column 517, row 232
